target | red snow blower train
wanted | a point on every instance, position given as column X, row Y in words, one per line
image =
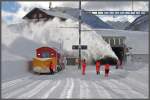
column 47, row 60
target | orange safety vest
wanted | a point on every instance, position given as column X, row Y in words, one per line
column 97, row 66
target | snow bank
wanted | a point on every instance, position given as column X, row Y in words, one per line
column 24, row 47
column 12, row 69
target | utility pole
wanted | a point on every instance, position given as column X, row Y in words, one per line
column 80, row 14
column 50, row 5
column 132, row 5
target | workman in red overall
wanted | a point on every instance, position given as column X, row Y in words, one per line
column 107, row 69
column 51, row 68
column 83, row 67
column 98, row 67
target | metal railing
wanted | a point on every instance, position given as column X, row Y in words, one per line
column 96, row 12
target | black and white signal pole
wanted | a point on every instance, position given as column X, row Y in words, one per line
column 80, row 12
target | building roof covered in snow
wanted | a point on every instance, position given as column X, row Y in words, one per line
column 67, row 13
column 139, row 24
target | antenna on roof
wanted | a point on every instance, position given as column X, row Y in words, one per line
column 50, row 4
column 132, row 5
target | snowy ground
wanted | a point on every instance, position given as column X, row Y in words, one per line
column 130, row 82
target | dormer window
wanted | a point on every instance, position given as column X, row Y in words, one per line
column 62, row 19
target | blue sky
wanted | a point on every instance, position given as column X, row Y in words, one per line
column 13, row 11
column 10, row 6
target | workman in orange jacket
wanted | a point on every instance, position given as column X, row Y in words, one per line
column 83, row 67
column 107, row 67
column 98, row 67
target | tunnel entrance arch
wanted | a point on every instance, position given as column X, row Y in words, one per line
column 119, row 51
column 117, row 44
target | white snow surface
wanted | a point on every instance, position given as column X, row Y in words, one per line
column 131, row 82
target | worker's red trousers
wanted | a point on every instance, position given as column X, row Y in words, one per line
column 97, row 68
column 83, row 69
column 106, row 72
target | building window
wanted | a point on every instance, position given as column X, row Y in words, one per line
column 119, row 41
column 62, row 19
column 109, row 40
column 34, row 16
column 114, row 39
column 40, row 15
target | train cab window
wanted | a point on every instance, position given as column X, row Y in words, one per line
column 45, row 55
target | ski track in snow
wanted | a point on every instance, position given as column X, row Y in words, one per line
column 137, row 82
column 13, row 82
column 114, row 89
column 137, row 86
column 17, row 92
column 16, row 86
column 54, row 86
column 68, row 89
column 128, row 90
column 102, row 92
column 121, row 89
column 35, row 90
column 84, row 90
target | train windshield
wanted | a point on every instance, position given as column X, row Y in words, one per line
column 45, row 55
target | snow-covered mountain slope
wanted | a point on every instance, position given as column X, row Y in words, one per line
column 140, row 24
column 90, row 19
column 9, row 56
column 118, row 24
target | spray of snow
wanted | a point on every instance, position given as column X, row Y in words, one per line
column 66, row 33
